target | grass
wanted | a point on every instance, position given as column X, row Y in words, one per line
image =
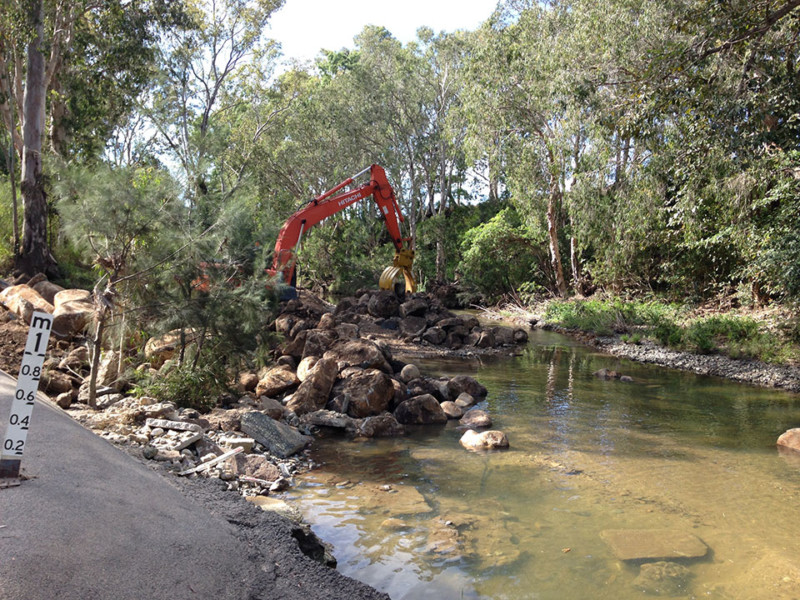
column 673, row 326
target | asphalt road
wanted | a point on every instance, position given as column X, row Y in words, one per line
column 91, row 522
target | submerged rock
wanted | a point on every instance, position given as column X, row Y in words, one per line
column 653, row 544
column 663, row 578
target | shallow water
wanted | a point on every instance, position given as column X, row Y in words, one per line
column 670, row 451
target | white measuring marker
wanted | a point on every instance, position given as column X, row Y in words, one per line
column 22, row 405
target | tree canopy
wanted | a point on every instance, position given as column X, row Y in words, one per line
column 619, row 144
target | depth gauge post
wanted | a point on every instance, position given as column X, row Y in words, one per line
column 24, row 396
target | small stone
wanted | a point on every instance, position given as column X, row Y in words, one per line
column 393, row 524
column 64, row 400
column 409, row 372
column 476, row 418
column 487, row 440
column 149, row 452
column 246, row 444
column 452, row 410
column 790, row 439
column 465, row 400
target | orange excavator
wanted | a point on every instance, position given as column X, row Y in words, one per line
column 327, row 204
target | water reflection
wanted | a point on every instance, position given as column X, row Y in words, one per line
column 668, row 451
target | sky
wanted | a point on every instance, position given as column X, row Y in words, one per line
column 303, row 27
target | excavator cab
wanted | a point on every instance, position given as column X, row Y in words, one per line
column 397, row 277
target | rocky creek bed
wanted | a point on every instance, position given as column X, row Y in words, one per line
column 336, row 371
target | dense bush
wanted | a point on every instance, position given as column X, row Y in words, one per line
column 499, row 256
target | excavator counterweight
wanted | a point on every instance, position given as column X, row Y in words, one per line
column 328, row 204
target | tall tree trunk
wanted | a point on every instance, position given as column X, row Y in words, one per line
column 444, row 189
column 35, row 256
column 13, row 181
column 577, row 279
column 552, row 233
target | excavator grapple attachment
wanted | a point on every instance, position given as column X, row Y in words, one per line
column 401, row 265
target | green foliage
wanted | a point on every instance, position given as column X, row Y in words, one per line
column 605, row 317
column 199, row 388
column 6, row 224
column 735, row 336
column 499, row 256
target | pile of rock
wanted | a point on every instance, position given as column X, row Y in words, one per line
column 334, row 372
column 420, row 319
column 72, row 309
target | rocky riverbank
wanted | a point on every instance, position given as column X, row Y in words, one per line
column 336, row 371
column 647, row 351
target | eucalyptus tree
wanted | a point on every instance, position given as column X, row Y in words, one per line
column 76, row 64
column 201, row 65
column 522, row 93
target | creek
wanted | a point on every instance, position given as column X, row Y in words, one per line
column 421, row 517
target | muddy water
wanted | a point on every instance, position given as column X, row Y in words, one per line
column 420, row 517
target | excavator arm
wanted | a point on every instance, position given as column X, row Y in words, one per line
column 328, row 204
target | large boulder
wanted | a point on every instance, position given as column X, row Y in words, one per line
column 23, row 301
column 55, row 383
column 452, row 410
column 476, row 418
column 435, row 336
column 409, row 372
column 162, row 348
column 428, row 385
column 317, row 342
column 384, row 425
column 503, row 336
column 276, row 381
column 383, row 305
column 790, row 439
column 413, row 326
column 108, row 373
column 484, row 339
column 420, row 410
column 278, row 438
column 416, row 307
column 663, row 578
column 284, row 323
column 654, row 544
column 312, row 395
column 464, row 383
column 359, row 353
column 330, row 419
column 487, row 440
column 295, row 347
column 255, row 465
column 47, row 290
column 368, row 393
column 305, row 367
column 74, row 311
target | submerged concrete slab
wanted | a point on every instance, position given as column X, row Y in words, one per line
column 653, row 544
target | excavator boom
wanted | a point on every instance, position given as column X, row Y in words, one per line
column 328, row 204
